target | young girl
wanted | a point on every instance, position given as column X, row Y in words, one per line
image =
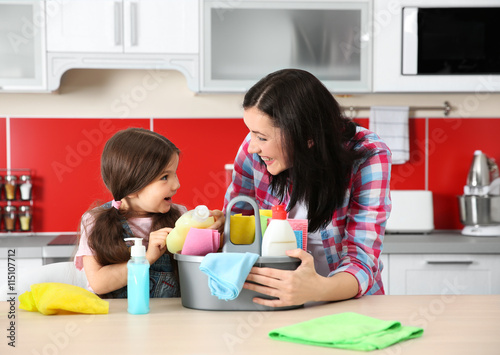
column 139, row 169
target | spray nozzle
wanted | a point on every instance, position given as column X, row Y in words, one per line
column 137, row 249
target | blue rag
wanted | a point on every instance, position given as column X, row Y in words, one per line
column 227, row 272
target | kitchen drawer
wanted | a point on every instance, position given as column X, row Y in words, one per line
column 428, row 274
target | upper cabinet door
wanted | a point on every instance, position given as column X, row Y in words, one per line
column 22, row 46
column 123, row 26
column 245, row 42
column 161, row 26
column 84, row 26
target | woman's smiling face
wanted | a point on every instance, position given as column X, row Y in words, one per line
column 265, row 140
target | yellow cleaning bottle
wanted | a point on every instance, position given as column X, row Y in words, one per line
column 197, row 218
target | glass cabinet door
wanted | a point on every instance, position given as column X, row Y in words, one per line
column 22, row 46
column 243, row 43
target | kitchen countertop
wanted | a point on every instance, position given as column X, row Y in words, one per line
column 39, row 245
column 453, row 324
column 438, row 242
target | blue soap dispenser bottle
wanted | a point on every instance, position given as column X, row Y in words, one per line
column 138, row 279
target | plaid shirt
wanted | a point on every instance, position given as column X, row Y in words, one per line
column 354, row 240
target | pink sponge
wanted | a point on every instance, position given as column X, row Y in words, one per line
column 201, row 242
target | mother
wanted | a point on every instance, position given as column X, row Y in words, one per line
column 303, row 152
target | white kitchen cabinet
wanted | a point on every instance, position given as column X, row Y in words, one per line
column 123, row 34
column 22, row 46
column 385, row 272
column 444, row 274
column 109, row 26
column 244, row 42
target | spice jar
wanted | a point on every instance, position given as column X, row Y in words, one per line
column 25, row 218
column 25, row 187
column 10, row 187
column 9, row 218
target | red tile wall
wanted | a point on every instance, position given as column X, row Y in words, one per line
column 64, row 155
column 452, row 143
column 206, row 146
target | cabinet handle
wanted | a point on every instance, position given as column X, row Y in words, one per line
column 133, row 24
column 118, row 24
column 444, row 262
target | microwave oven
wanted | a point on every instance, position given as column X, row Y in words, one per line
column 451, row 40
column 441, row 45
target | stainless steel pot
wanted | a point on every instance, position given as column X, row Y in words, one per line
column 478, row 210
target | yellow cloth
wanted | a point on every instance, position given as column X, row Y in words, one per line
column 59, row 298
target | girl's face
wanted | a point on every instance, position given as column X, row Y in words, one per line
column 265, row 140
column 157, row 196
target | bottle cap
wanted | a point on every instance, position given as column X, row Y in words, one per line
column 25, row 178
column 201, row 213
column 279, row 212
column 11, row 178
column 137, row 249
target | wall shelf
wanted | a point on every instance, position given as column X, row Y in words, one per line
column 21, row 225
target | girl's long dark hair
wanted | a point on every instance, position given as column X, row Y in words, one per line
column 315, row 136
column 131, row 159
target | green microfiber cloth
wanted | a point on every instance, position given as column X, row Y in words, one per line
column 348, row 330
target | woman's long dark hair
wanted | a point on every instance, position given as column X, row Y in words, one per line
column 130, row 161
column 315, row 136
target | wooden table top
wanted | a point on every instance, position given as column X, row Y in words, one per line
column 453, row 324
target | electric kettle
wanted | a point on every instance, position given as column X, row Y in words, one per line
column 482, row 172
column 480, row 203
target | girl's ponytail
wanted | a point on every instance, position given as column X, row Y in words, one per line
column 106, row 236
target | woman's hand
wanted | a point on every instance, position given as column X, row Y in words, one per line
column 291, row 287
column 296, row 287
column 157, row 244
column 220, row 219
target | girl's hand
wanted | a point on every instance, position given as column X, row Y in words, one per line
column 219, row 220
column 291, row 287
column 157, row 245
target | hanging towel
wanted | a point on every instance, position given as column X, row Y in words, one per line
column 58, row 298
column 349, row 330
column 390, row 123
column 227, row 272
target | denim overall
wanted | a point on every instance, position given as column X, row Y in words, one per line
column 162, row 280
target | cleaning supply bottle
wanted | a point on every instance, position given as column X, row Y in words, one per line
column 197, row 218
column 279, row 236
column 138, row 279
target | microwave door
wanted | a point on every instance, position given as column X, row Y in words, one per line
column 410, row 41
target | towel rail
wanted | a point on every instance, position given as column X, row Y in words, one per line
column 446, row 108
